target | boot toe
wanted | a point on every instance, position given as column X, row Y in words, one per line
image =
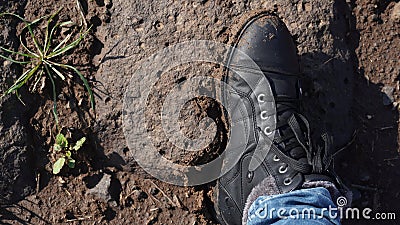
column 267, row 41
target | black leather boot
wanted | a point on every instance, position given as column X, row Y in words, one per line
column 292, row 159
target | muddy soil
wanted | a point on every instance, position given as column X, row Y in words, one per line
column 349, row 51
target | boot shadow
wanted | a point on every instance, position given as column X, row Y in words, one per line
column 339, row 99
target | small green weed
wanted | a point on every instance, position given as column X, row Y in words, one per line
column 62, row 147
column 41, row 60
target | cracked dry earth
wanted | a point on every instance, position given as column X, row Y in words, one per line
column 349, row 51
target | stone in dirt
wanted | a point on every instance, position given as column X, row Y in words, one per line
column 387, row 95
column 396, row 13
column 101, row 190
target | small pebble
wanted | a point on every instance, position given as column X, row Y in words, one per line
column 113, row 203
column 158, row 210
column 300, row 7
column 158, row 25
column 373, row 18
column 108, row 3
column 61, row 182
column 61, row 97
column 387, row 97
column 154, row 191
column 6, row 63
column 139, row 195
column 71, row 104
column 177, row 201
column 395, row 16
column 128, row 202
column 308, row 7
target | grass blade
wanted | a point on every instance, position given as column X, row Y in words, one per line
column 66, row 48
column 34, row 39
column 66, row 23
column 26, row 48
column 62, row 42
column 19, row 97
column 85, row 83
column 22, row 77
column 57, row 72
column 47, row 38
column 22, row 80
column 38, row 78
column 54, row 93
column 28, row 25
column 47, row 47
column 18, row 53
column 52, row 32
column 14, row 61
column 30, row 74
column 15, row 15
column 73, row 44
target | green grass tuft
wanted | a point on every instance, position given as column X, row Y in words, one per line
column 41, row 60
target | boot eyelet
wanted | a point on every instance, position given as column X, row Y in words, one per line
column 264, row 115
column 287, row 181
column 250, row 176
column 260, row 98
column 275, row 158
column 267, row 131
column 283, row 169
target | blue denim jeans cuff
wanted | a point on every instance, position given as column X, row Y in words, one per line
column 305, row 206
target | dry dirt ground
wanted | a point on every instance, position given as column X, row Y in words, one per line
column 349, row 51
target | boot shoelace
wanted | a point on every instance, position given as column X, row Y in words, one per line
column 318, row 157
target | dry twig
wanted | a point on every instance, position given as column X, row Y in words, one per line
column 162, row 192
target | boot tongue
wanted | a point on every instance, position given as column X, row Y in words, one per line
column 284, row 86
column 287, row 93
